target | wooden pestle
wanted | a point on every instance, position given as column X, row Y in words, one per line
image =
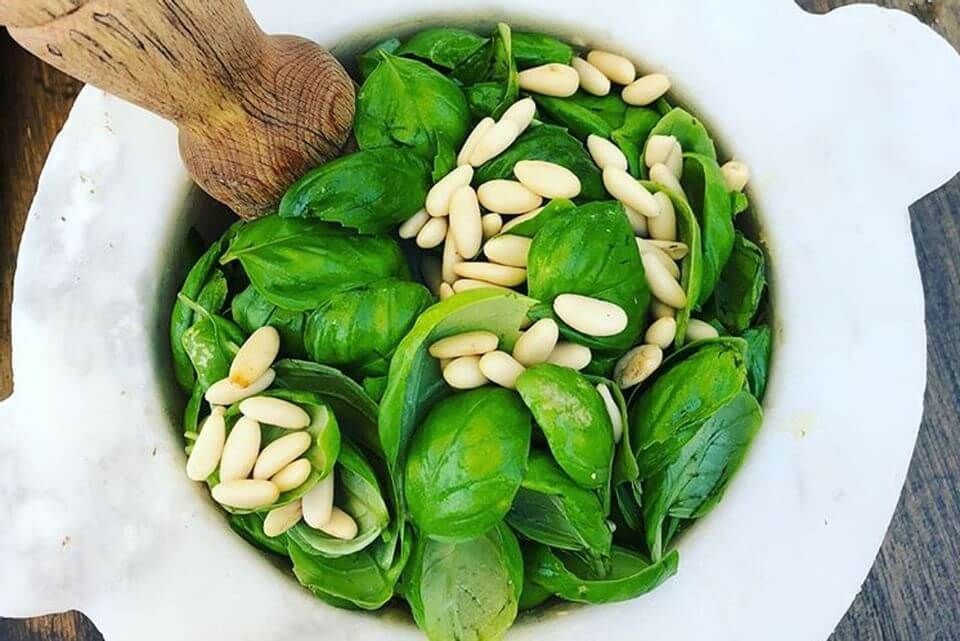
column 255, row 112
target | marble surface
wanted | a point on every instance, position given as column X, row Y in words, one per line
column 101, row 518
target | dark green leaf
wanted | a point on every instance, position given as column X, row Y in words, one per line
column 443, row 46
column 375, row 386
column 251, row 311
column 632, row 136
column 759, row 347
column 213, row 296
column 557, row 208
column 581, row 114
column 535, row 49
column 739, row 291
column 371, row 59
column 706, row 188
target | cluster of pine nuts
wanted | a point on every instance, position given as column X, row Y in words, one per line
column 251, row 478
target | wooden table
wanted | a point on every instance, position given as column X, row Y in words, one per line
column 912, row 591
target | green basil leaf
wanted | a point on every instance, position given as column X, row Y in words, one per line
column 573, row 419
column 210, row 344
column 445, row 47
column 485, row 98
column 632, row 135
column 250, row 527
column 371, row 59
column 689, row 132
column 576, row 115
column 375, row 386
column 496, row 87
column 759, row 347
column 557, row 208
column 370, row 191
column 535, row 49
column 740, row 202
column 191, row 413
column 533, row 595
column 739, row 291
column 213, row 296
column 251, row 311
column 455, row 491
column 630, row 576
column 298, row 264
column 709, row 199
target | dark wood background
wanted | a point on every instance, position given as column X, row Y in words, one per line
column 913, row 591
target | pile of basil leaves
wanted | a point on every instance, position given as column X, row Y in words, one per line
column 475, row 505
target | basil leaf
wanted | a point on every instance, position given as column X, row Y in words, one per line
column 443, row 46
column 739, row 291
column 298, row 264
column 375, row 386
column 455, row 493
column 535, row 49
column 759, row 347
column 210, row 344
column 494, row 83
column 577, row 117
column 251, row 311
column 709, row 199
column 557, row 208
column 632, row 135
column 370, row 191
column 532, row 595
column 213, row 296
column 689, row 132
column 250, row 527
column 369, row 60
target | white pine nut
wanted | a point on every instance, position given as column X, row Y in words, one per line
column 431, row 270
column 465, row 344
column 570, row 355
column 241, row 449
column 646, row 247
column 446, row 291
column 637, row 365
column 466, row 225
column 552, row 79
column 617, row 68
column 646, row 90
column 470, row 145
column 464, row 373
column 318, row 503
column 590, row 316
column 662, row 332
column 438, row 198
column 246, row 494
column 341, row 526
column 492, row 224
column 547, row 179
column 675, row 161
column 521, row 112
column 698, row 330
column 255, row 357
column 630, row 192
column 493, row 273
column 537, row 343
column 433, row 233
column 507, row 197
column 664, row 226
column 662, row 175
column 224, row 392
column 659, row 309
column 207, row 448
column 662, row 285
column 501, row 368
column 638, row 221
column 508, row 249
column 493, row 143
column 412, row 226
column 605, row 153
column 658, row 150
column 275, row 411
column 281, row 519
column 280, row 453
column 613, row 411
column 592, row 79
column 293, row 475
column 530, row 215
column 672, row 248
column 450, row 258
column 467, row 284
column 736, row 174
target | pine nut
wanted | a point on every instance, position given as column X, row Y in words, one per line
column 465, row 344
column 662, row 175
column 592, row 79
column 617, row 68
column 675, row 161
column 464, row 373
column 698, row 330
column 450, row 258
column 224, row 392
column 590, row 316
column 241, row 449
column 659, row 309
column 637, row 365
column 646, row 90
column 493, row 273
column 492, row 224
column 467, row 284
column 275, row 411
column 281, row 519
column 530, row 215
column 293, row 475
column 438, row 198
column 547, row 179
column 280, row 453
column 318, row 503
column 736, row 174
column 606, row 154
column 613, row 411
column 207, row 448
column 662, row 332
column 412, row 226
column 341, row 526
column 255, row 357
column 646, row 247
column 446, row 291
column 537, row 343
column 431, row 270
column 507, row 197
column 672, row 248
column 552, row 79
column 658, row 150
column 662, row 285
column 470, row 145
column 246, row 494
column 638, row 221
column 570, row 355
column 497, row 140
column 501, row 368
column 466, row 226
column 432, row 234
column 508, row 249
column 664, row 226
column 630, row 192
column 521, row 112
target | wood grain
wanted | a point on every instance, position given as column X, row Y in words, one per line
column 912, row 591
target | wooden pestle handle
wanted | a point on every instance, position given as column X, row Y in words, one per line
column 255, row 112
